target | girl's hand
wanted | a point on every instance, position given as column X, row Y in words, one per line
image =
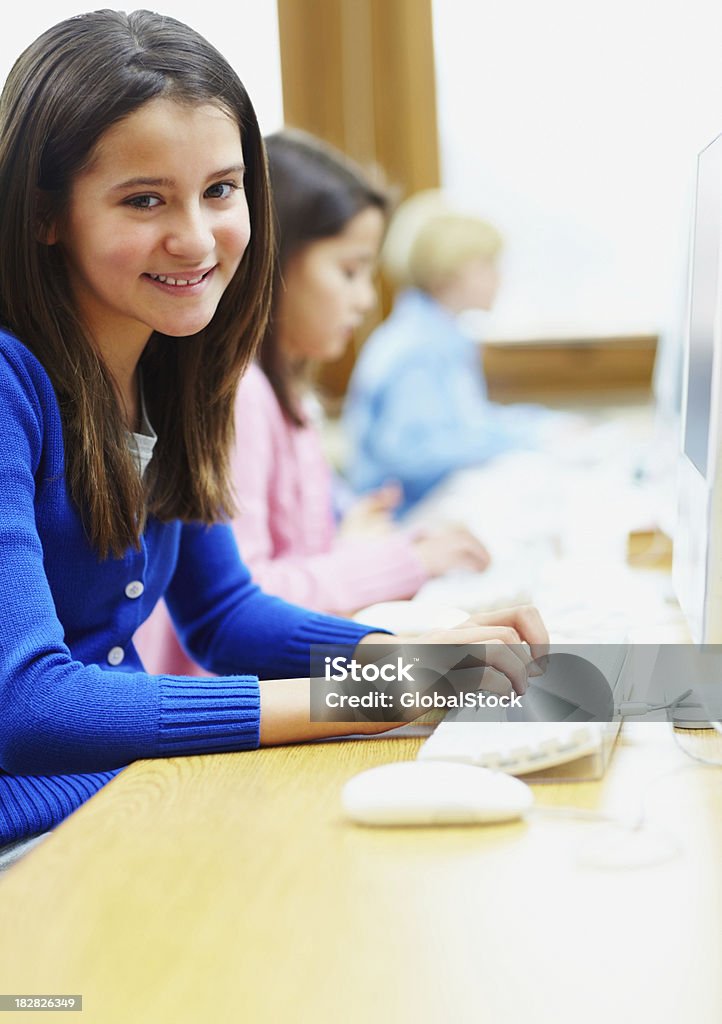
column 514, row 638
column 451, row 547
column 285, row 703
column 371, row 515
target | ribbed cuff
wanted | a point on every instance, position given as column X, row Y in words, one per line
column 213, row 716
column 35, row 803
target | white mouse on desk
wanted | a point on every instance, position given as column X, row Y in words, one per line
column 434, row 793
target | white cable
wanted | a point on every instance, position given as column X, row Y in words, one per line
column 635, row 842
column 637, row 707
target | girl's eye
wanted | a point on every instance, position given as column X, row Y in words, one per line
column 221, row 190
column 143, row 202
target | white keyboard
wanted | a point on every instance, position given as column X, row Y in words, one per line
column 519, row 747
column 515, row 747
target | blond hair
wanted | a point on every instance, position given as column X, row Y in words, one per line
column 429, row 241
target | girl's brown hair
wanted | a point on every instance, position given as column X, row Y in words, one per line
column 75, row 81
column 316, row 191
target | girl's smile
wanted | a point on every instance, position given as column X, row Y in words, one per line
column 181, row 285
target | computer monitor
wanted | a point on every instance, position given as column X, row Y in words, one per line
column 697, row 560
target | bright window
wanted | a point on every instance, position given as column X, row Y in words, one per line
column 575, row 127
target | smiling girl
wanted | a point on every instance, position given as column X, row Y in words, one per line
column 135, row 269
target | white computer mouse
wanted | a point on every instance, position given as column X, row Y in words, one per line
column 434, row 793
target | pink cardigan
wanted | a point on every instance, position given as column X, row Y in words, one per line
column 285, row 529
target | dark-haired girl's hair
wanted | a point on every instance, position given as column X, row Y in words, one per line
column 68, row 87
column 316, row 191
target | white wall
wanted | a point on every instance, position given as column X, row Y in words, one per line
column 245, row 31
column 575, row 127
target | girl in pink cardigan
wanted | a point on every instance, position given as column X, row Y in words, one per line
column 330, row 223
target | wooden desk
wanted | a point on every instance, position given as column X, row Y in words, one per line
column 229, row 888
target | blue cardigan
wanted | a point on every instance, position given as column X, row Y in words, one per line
column 75, row 703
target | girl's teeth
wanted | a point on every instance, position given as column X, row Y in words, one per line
column 176, row 281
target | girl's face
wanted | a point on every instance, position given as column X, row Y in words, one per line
column 156, row 225
column 329, row 289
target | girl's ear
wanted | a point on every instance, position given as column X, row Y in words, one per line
column 46, row 225
column 46, row 234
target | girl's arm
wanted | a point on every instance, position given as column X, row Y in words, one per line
column 276, row 517
column 229, row 624
column 349, row 576
column 285, row 716
column 514, row 640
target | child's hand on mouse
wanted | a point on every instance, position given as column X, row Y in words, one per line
column 450, row 547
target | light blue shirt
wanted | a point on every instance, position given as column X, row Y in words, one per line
column 417, row 405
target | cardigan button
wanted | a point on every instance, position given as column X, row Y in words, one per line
column 134, row 589
column 115, row 655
